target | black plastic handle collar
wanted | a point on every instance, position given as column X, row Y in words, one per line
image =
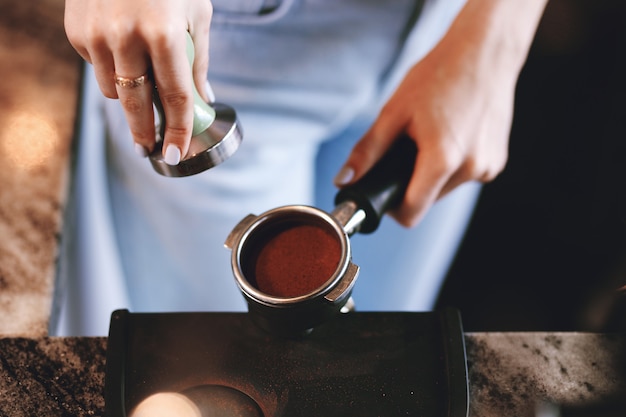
column 382, row 187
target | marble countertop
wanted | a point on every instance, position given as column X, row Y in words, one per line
column 509, row 374
column 39, row 80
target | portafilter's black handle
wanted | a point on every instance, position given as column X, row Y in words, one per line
column 382, row 187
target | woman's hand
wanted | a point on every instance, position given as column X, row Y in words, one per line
column 457, row 104
column 126, row 40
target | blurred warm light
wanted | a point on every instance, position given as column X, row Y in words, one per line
column 28, row 139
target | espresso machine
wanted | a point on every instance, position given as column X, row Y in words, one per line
column 356, row 364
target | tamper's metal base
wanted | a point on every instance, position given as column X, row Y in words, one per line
column 208, row 149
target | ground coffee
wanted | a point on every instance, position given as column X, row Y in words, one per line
column 295, row 260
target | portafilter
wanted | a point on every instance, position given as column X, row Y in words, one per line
column 293, row 264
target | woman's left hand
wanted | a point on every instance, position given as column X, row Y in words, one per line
column 456, row 104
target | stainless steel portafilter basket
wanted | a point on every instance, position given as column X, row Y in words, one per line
column 292, row 315
column 358, row 208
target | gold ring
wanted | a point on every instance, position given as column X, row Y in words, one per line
column 131, row 82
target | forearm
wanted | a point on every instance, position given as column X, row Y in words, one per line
column 498, row 32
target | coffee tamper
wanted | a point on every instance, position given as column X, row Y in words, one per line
column 216, row 134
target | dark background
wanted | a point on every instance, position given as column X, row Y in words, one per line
column 546, row 249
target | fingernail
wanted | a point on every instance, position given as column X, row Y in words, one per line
column 141, row 150
column 172, row 155
column 344, row 176
column 209, row 92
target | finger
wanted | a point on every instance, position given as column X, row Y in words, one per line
column 104, row 70
column 75, row 10
column 368, row 150
column 82, row 52
column 453, row 182
column 173, row 77
column 464, row 175
column 482, row 166
column 428, row 179
column 134, row 88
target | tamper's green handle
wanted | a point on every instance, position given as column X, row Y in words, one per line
column 203, row 113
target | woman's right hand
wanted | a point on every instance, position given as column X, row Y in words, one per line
column 129, row 39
